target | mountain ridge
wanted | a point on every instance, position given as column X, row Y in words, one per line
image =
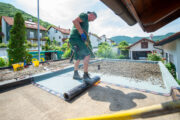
column 132, row 40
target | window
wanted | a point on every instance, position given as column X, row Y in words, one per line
column 167, row 57
column 171, row 59
column 31, row 35
column 59, row 37
column 55, row 30
column 144, row 44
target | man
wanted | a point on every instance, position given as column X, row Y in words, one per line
column 78, row 37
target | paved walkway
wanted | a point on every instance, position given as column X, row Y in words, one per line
column 32, row 103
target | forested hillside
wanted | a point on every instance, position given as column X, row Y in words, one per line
column 10, row 10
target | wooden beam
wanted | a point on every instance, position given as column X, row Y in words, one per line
column 159, row 24
column 132, row 10
column 159, row 12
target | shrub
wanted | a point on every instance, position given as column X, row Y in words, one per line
column 3, row 45
column 2, row 62
column 121, row 57
column 34, row 45
column 64, row 46
column 154, row 57
column 67, row 53
column 28, row 44
column 172, row 69
column 28, row 58
column 178, row 81
column 105, row 51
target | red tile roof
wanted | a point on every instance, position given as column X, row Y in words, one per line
column 62, row 30
column 28, row 24
column 139, row 42
column 168, row 39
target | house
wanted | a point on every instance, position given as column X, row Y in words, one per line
column 95, row 40
column 141, row 48
column 171, row 50
column 105, row 39
column 31, row 30
column 58, row 34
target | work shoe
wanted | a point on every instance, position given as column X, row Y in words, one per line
column 76, row 76
column 86, row 78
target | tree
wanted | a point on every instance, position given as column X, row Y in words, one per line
column 105, row 51
column 66, row 49
column 0, row 35
column 123, row 47
column 47, row 44
column 16, row 47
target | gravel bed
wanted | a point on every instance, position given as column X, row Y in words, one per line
column 9, row 74
column 136, row 71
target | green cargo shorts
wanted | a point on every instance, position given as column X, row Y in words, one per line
column 80, row 50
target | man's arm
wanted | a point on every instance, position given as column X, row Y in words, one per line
column 76, row 23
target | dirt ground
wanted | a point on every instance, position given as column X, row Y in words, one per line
column 32, row 103
column 9, row 74
column 138, row 71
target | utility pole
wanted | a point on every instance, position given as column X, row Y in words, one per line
column 38, row 31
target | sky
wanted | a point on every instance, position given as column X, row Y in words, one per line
column 63, row 12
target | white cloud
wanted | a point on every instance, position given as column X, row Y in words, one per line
column 57, row 12
column 62, row 12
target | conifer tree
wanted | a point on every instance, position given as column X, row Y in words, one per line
column 16, row 47
column 0, row 35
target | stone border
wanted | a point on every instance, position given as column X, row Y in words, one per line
column 168, row 79
column 15, row 83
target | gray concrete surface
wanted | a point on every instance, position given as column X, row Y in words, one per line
column 32, row 103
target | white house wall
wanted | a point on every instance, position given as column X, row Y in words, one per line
column 170, row 48
column 94, row 41
column 103, row 38
column 178, row 58
column 52, row 34
column 3, row 52
column 173, row 49
column 137, row 47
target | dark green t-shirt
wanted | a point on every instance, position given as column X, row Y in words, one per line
column 74, row 35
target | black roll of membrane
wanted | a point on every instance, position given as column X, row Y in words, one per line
column 69, row 95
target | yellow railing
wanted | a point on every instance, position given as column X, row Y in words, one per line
column 145, row 112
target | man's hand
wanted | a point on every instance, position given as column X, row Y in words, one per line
column 83, row 37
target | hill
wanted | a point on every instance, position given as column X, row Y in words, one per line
column 132, row 40
column 10, row 10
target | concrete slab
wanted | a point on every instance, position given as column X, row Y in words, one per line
column 32, row 103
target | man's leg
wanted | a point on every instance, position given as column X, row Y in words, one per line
column 86, row 75
column 76, row 74
column 86, row 62
column 76, row 64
